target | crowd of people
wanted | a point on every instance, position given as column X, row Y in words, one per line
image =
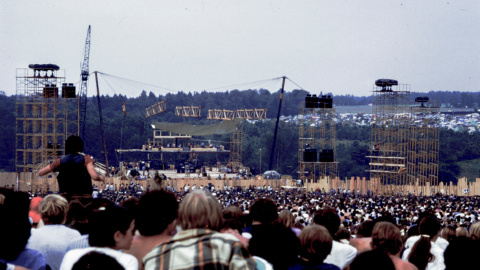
column 239, row 229
column 231, row 228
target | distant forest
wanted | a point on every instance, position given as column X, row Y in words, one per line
column 133, row 130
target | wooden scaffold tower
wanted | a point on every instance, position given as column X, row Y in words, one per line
column 317, row 132
column 46, row 114
column 423, row 146
column 389, row 135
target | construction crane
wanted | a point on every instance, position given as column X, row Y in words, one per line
column 82, row 101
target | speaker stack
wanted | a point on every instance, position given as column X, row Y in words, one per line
column 326, row 156
column 50, row 91
column 68, row 90
column 310, row 155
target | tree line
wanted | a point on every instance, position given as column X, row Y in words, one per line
column 133, row 130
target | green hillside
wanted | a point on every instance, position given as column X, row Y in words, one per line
column 469, row 169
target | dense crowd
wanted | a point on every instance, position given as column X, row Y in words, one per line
column 233, row 228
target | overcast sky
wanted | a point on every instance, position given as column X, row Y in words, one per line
column 333, row 46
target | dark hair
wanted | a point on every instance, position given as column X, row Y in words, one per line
column 233, row 218
column 73, row 144
column 156, row 210
column 365, row 228
column 264, row 211
column 105, row 222
column 372, row 260
column 342, row 233
column 97, row 261
column 420, row 254
column 77, row 217
column 328, row 217
column 14, row 226
column 459, row 253
column 275, row 243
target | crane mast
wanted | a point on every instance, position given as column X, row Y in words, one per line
column 82, row 101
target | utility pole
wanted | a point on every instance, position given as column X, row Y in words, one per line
column 101, row 125
column 276, row 126
column 260, row 160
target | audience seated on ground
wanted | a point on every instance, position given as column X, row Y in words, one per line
column 52, row 239
column 200, row 216
column 110, row 230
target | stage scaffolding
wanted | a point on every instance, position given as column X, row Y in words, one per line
column 317, row 132
column 235, row 159
column 45, row 117
column 404, row 142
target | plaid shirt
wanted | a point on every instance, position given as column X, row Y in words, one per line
column 199, row 249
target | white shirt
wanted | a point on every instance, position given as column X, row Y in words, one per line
column 436, row 249
column 341, row 254
column 129, row 262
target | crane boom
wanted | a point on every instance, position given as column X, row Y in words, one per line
column 82, row 101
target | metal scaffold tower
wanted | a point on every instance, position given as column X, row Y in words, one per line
column 423, row 146
column 317, row 132
column 46, row 114
column 389, row 133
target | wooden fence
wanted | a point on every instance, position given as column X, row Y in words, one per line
column 33, row 183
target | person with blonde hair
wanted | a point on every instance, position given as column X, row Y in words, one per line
column 52, row 239
column 199, row 244
column 288, row 220
column 475, row 231
column 448, row 233
column 386, row 238
column 462, row 232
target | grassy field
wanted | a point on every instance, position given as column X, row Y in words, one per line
column 470, row 169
